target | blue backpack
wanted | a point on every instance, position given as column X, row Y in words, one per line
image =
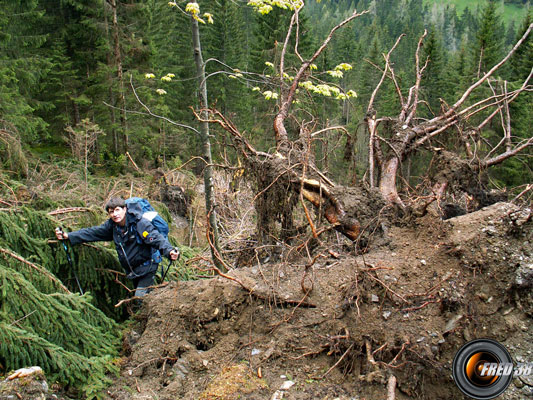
column 151, row 215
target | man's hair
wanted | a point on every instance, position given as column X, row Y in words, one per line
column 114, row 202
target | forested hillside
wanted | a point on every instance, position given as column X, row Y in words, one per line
column 74, row 64
column 278, row 139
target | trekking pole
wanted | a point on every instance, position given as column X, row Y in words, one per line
column 70, row 260
column 168, row 267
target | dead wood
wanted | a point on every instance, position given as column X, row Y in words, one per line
column 69, row 210
column 409, row 133
column 280, row 181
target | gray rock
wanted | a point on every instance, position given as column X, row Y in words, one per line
column 286, row 385
column 524, row 276
column 452, row 323
column 180, row 369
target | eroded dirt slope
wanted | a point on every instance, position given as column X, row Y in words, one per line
column 404, row 308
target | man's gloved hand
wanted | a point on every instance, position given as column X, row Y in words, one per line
column 60, row 234
column 174, row 254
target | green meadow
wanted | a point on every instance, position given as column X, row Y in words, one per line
column 509, row 12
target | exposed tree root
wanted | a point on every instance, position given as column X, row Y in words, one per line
column 391, row 388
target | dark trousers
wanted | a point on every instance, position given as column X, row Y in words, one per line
column 142, row 283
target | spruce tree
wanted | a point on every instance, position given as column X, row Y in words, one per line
column 225, row 41
column 42, row 322
column 85, row 48
column 55, row 90
column 451, row 34
column 26, row 232
column 469, row 25
column 169, row 54
column 488, row 45
column 510, row 35
column 432, row 85
column 22, row 65
column 269, row 35
column 518, row 171
column 370, row 75
column 522, row 59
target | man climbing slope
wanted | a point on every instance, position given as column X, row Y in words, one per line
column 139, row 244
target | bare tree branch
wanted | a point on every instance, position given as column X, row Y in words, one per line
column 511, row 96
column 387, row 66
column 331, row 128
column 504, row 156
column 153, row 114
column 286, row 100
column 507, row 128
column 286, row 42
column 416, row 87
column 433, row 129
column 487, row 75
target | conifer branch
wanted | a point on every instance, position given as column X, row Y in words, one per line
column 36, row 267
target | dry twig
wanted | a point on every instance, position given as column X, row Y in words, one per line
column 338, row 362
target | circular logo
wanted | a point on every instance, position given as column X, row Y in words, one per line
column 482, row 369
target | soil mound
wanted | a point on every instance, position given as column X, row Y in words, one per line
column 341, row 326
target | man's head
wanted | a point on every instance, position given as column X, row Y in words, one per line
column 116, row 209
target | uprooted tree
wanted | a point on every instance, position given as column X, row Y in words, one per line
column 290, row 175
column 408, row 133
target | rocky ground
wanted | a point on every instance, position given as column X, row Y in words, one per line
column 341, row 329
column 339, row 326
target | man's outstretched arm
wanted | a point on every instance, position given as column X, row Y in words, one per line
column 98, row 233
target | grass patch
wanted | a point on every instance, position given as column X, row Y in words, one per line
column 509, row 12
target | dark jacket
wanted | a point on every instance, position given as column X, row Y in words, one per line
column 133, row 256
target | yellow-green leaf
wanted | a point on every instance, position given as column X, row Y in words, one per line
column 270, row 95
column 335, row 74
column 343, row 66
column 209, row 18
column 192, row 8
column 351, row 93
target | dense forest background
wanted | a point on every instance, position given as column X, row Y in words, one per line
column 97, row 93
column 68, row 71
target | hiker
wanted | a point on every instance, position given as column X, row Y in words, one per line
column 139, row 244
